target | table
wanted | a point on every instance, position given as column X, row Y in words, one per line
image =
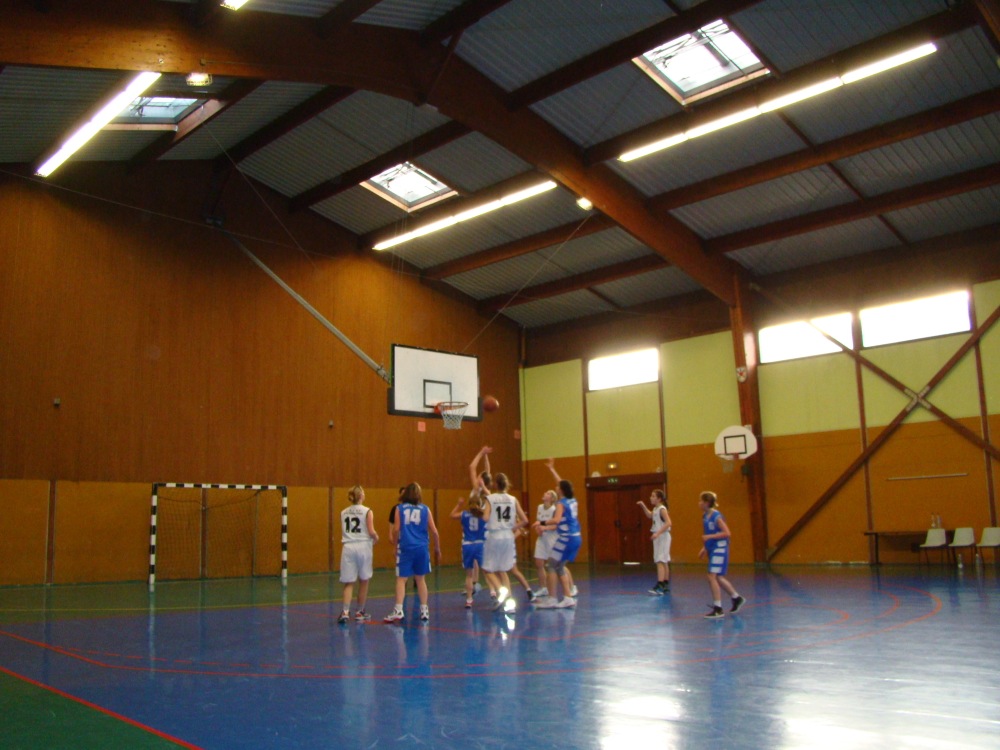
column 876, row 534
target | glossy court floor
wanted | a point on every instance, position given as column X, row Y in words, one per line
column 819, row 658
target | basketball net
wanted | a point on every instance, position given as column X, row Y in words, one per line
column 729, row 462
column 452, row 413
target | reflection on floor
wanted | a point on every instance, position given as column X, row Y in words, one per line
column 818, row 658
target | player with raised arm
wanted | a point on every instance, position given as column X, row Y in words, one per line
column 499, row 552
column 716, row 538
column 358, row 534
column 473, row 538
column 566, row 521
column 414, row 530
column 660, row 536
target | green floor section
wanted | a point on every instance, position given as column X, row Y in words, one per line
column 32, row 718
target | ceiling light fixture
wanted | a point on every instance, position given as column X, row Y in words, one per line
column 233, row 4
column 198, row 78
column 584, row 203
column 784, row 100
column 104, row 115
column 470, row 213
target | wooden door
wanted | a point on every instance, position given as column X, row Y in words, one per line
column 604, row 526
column 632, row 527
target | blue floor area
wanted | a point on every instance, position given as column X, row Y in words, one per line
column 818, row 658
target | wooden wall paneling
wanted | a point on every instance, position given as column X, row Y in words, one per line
column 24, row 514
column 450, row 529
column 309, row 529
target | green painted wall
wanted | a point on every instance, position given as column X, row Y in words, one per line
column 914, row 363
column 623, row 419
column 552, row 411
column 987, row 298
column 817, row 394
column 699, row 388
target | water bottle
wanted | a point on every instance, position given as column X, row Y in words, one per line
column 933, row 521
column 979, row 562
column 938, row 519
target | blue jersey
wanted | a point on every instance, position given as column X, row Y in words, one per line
column 570, row 523
column 412, row 525
column 710, row 524
column 473, row 528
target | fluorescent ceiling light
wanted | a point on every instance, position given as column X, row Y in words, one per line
column 198, row 78
column 585, row 203
column 723, row 122
column 465, row 215
column 233, row 4
column 652, row 148
column 93, row 126
column 888, row 63
column 797, row 96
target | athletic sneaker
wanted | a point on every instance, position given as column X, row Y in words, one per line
column 566, row 603
column 395, row 616
column 657, row 590
column 510, row 605
column 502, row 594
column 425, row 613
column 542, row 592
column 468, row 603
column 545, row 602
column 665, row 587
column 575, row 592
column 476, row 588
column 362, row 616
column 714, row 613
column 531, row 594
column 738, row 602
column 344, row 617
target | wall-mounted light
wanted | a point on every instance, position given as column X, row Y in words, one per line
column 198, row 78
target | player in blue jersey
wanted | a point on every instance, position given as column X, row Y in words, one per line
column 414, row 528
column 566, row 523
column 716, row 537
column 473, row 536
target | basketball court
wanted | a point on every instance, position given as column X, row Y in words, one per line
column 711, row 287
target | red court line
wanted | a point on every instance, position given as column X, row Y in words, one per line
column 101, row 709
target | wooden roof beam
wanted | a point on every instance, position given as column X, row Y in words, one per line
column 945, row 116
column 459, row 19
column 623, row 50
column 209, row 110
column 202, row 12
column 422, row 144
column 989, row 19
column 934, row 27
column 894, row 200
column 522, row 246
column 299, row 115
column 574, row 283
column 342, row 15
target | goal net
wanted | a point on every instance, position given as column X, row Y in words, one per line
column 217, row 531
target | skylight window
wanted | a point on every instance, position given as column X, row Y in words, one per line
column 408, row 187
column 620, row 370
column 916, row 319
column 157, row 110
column 800, row 339
column 697, row 65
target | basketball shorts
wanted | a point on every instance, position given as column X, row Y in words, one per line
column 472, row 552
column 413, row 561
column 355, row 562
column 565, row 548
column 718, row 558
column 499, row 554
column 661, row 548
column 543, row 546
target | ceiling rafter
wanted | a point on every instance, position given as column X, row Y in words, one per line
column 989, row 19
column 623, row 50
column 576, row 282
column 521, row 246
column 299, row 115
column 943, row 24
column 459, row 19
column 422, row 144
column 342, row 15
column 116, row 34
column 201, row 12
column 894, row 200
column 209, row 110
column 945, row 116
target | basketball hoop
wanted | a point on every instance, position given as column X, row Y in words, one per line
column 728, row 462
column 452, row 413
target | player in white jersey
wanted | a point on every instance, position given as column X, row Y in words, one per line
column 543, row 545
column 504, row 514
column 660, row 536
column 357, row 527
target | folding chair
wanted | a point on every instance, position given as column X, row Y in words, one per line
column 936, row 539
column 990, row 540
column 965, row 538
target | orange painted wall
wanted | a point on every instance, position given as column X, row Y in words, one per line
column 24, row 514
column 309, row 527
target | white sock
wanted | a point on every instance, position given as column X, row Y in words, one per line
column 735, row 595
column 718, row 603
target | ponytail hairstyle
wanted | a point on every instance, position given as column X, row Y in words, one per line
column 709, row 499
column 411, row 494
column 502, row 482
column 487, row 479
column 356, row 494
column 663, row 497
column 566, row 488
column 476, row 505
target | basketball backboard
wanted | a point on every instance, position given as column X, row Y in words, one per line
column 422, row 378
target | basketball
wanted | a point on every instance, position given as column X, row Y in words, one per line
column 490, row 403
